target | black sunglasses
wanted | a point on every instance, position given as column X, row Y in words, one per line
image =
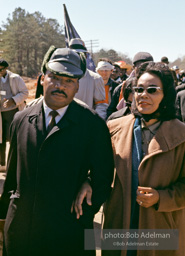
column 150, row 90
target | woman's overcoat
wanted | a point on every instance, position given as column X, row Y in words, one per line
column 163, row 168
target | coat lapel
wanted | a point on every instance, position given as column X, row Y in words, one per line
column 169, row 135
column 37, row 118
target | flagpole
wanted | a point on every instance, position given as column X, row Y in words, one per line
column 70, row 32
column 66, row 15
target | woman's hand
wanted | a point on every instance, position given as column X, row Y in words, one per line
column 85, row 191
column 147, row 196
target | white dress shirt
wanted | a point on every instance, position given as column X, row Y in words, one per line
column 47, row 110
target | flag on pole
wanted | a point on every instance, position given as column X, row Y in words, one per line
column 70, row 32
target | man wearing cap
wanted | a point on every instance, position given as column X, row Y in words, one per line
column 123, row 69
column 91, row 86
column 13, row 93
column 55, row 145
column 140, row 58
column 116, row 73
column 165, row 60
column 104, row 69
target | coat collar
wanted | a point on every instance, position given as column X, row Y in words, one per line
column 169, row 135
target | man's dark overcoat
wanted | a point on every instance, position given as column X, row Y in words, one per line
column 44, row 175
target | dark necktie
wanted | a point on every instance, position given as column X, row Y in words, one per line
column 52, row 121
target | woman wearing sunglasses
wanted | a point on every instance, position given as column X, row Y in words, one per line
column 149, row 150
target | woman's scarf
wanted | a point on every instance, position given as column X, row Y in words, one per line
column 136, row 159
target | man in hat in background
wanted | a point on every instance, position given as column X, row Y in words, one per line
column 116, row 73
column 140, row 58
column 124, row 67
column 91, row 86
column 13, row 93
column 165, row 60
column 55, row 145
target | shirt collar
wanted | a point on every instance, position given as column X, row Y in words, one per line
column 47, row 110
column 152, row 128
column 3, row 79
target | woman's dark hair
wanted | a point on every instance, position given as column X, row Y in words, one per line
column 166, row 110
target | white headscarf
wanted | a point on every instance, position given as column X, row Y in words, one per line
column 104, row 65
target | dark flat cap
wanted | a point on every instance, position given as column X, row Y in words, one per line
column 165, row 60
column 64, row 61
column 142, row 56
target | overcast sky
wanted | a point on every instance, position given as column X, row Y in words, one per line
column 155, row 26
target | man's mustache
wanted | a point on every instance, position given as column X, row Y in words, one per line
column 59, row 91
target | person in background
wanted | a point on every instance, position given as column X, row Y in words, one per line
column 128, row 97
column 176, row 82
column 104, row 69
column 124, row 67
column 180, row 105
column 39, row 87
column 123, row 74
column 91, row 86
column 182, row 76
column 55, row 145
column 116, row 96
column 140, row 58
column 116, row 73
column 181, row 84
column 176, row 69
column 165, row 60
column 13, row 93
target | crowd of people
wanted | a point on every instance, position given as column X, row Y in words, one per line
column 91, row 139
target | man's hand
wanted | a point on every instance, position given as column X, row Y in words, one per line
column 147, row 196
column 8, row 103
column 85, row 191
